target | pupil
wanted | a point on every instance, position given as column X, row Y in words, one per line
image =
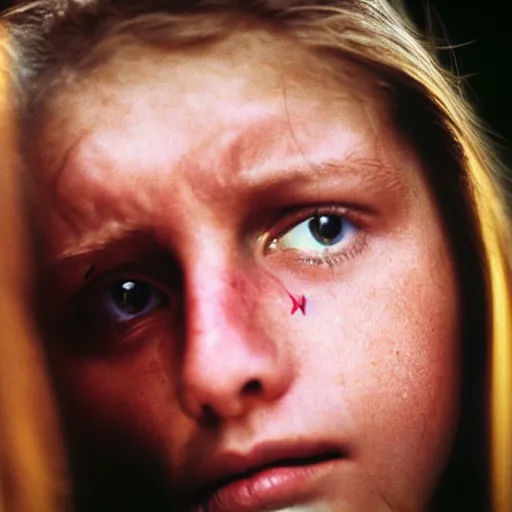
column 131, row 297
column 327, row 229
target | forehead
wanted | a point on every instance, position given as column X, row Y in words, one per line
column 248, row 77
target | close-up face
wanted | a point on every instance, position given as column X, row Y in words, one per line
column 249, row 288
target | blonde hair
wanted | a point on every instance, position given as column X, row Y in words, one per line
column 371, row 33
column 32, row 476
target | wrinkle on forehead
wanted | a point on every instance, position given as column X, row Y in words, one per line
column 213, row 169
column 244, row 151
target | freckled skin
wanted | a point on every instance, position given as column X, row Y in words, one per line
column 189, row 154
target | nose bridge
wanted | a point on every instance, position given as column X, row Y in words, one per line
column 229, row 360
column 219, row 296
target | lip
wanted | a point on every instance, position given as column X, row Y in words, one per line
column 269, row 477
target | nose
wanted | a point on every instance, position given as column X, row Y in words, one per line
column 232, row 361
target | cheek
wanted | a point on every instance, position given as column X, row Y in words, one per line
column 118, row 416
column 382, row 345
column 131, row 398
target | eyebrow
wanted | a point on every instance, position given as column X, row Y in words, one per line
column 129, row 239
column 367, row 172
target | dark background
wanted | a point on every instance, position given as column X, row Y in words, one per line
column 484, row 28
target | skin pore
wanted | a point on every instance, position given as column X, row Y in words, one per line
column 194, row 181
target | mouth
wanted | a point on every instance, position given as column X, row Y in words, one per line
column 268, row 485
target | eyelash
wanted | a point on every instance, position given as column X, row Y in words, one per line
column 353, row 215
column 331, row 260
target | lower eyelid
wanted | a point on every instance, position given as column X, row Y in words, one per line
column 334, row 258
column 121, row 317
column 98, row 335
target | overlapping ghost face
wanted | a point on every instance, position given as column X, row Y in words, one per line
column 189, row 201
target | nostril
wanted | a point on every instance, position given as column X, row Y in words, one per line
column 253, row 387
column 209, row 417
column 225, row 405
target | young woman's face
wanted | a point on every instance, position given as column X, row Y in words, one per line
column 187, row 202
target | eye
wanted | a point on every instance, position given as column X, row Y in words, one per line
column 319, row 233
column 112, row 314
column 126, row 300
column 117, row 303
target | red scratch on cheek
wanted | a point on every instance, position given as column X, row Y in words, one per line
column 299, row 302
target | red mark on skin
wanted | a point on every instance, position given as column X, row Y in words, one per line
column 298, row 303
